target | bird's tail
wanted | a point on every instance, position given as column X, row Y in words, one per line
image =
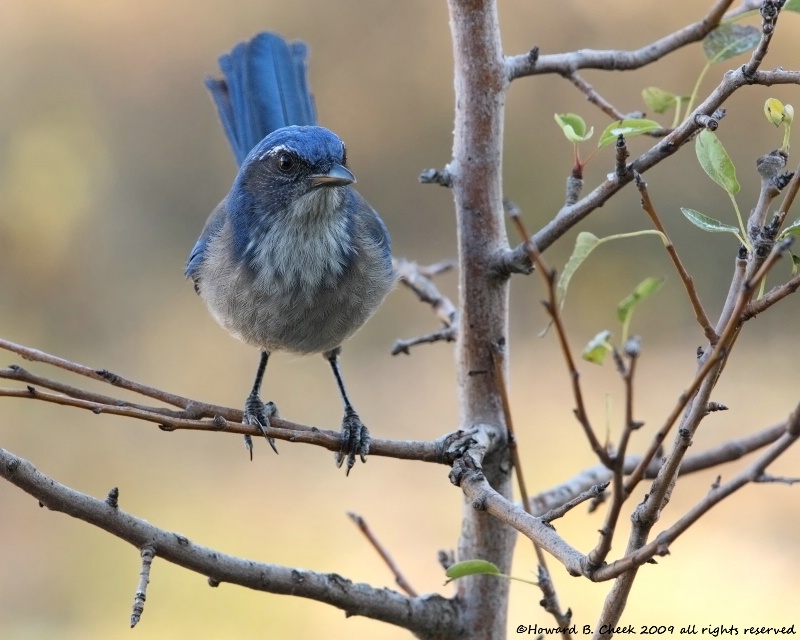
column 264, row 87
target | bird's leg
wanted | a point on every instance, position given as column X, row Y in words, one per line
column 256, row 413
column 355, row 436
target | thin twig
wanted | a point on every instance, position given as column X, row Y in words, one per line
column 399, row 578
column 660, row 544
column 104, row 375
column 418, row 279
column 597, row 556
column 593, row 492
column 552, row 308
column 770, row 298
column 688, row 281
column 147, row 553
column 719, row 352
column 597, row 100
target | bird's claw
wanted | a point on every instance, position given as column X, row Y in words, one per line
column 354, row 441
column 257, row 414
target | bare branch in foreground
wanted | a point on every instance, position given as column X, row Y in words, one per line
column 428, row 616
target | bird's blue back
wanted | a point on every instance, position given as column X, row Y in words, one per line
column 264, row 88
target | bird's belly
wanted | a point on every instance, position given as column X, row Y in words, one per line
column 289, row 319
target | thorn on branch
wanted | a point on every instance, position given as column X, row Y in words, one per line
column 622, row 154
column 112, row 499
column 148, row 553
column 533, row 57
column 710, row 122
column 108, row 376
column 441, row 177
column 715, row 406
column 213, row 582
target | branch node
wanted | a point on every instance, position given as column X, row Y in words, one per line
column 441, row 177
column 108, row 376
column 112, row 499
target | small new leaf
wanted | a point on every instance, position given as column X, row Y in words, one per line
column 716, row 162
column 729, row 40
column 643, row 290
column 471, row 568
column 708, row 224
column 628, row 128
column 574, row 127
column 792, row 230
column 658, row 100
column 584, row 245
column 597, row 348
column 774, row 110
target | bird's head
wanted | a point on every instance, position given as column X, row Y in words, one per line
column 292, row 165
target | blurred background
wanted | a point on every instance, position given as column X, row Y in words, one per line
column 111, row 157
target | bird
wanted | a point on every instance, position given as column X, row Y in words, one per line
column 293, row 258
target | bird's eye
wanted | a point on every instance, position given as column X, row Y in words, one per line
column 285, row 162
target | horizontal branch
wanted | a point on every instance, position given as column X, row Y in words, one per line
column 431, row 615
column 195, row 415
column 613, row 59
column 599, row 474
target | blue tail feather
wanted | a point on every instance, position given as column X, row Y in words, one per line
column 264, row 87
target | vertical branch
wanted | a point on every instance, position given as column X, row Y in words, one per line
column 475, row 169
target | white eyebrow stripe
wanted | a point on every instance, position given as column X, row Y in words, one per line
column 273, row 150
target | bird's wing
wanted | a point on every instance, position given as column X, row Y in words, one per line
column 264, row 87
column 213, row 226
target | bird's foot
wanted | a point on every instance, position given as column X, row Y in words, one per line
column 355, row 440
column 257, row 414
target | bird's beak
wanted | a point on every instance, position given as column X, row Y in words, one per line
column 337, row 176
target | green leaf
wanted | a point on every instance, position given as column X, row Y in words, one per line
column 706, row 223
column 471, row 568
column 795, row 263
column 729, row 40
column 643, row 290
column 659, row 100
column 716, row 162
column 628, row 128
column 792, row 230
column 792, row 5
column 775, row 111
column 584, row 245
column 574, row 127
column 597, row 348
